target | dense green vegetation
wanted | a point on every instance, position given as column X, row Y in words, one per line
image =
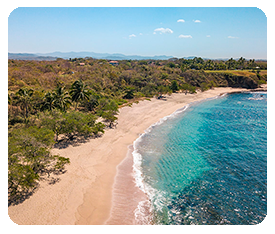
column 60, row 102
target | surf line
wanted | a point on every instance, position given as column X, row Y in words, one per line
column 137, row 162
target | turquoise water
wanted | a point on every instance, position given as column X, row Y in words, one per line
column 207, row 163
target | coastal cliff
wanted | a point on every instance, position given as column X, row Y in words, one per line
column 248, row 82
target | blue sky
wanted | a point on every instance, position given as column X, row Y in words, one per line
column 180, row 32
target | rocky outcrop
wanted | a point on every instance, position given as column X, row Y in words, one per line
column 241, row 81
column 262, row 88
column 223, row 79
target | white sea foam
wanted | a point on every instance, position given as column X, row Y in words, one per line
column 137, row 157
column 154, row 196
column 143, row 213
column 224, row 94
column 256, row 98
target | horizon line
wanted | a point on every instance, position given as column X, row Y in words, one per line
column 178, row 57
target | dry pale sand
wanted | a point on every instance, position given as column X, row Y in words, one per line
column 84, row 193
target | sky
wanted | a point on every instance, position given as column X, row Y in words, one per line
column 173, row 31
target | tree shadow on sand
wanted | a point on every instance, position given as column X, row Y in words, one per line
column 49, row 176
column 74, row 141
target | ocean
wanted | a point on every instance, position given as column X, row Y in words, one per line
column 205, row 164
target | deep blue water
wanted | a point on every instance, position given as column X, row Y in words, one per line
column 208, row 164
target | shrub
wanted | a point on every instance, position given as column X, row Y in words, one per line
column 29, row 158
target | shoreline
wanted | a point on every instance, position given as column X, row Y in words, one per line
column 84, row 194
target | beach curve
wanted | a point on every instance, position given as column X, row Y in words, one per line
column 84, row 193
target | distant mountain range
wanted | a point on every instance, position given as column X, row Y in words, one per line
column 67, row 55
column 25, row 56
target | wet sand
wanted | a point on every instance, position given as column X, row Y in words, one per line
column 126, row 195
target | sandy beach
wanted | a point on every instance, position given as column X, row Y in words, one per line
column 86, row 193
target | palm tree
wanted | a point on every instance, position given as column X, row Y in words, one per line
column 241, row 62
column 61, row 98
column 24, row 97
column 48, row 102
column 79, row 91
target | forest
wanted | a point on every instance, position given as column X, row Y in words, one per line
column 62, row 102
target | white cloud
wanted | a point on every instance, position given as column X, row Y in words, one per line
column 181, row 21
column 197, row 21
column 208, row 36
column 232, row 37
column 140, row 34
column 132, row 35
column 185, row 36
column 163, row 30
